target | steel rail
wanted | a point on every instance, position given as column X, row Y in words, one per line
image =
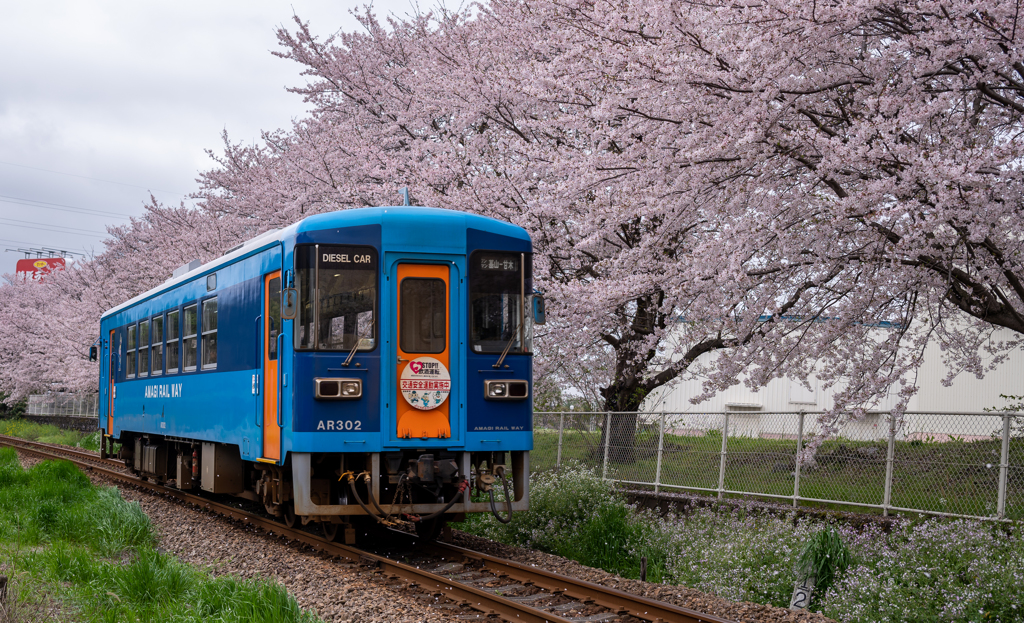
column 52, row 448
column 466, row 596
column 619, row 602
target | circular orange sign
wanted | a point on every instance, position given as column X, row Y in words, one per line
column 425, row 383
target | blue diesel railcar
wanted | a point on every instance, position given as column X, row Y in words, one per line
column 361, row 364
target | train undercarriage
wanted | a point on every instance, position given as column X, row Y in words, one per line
column 342, row 492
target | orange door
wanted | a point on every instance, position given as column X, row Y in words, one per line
column 424, row 380
column 271, row 329
column 111, row 372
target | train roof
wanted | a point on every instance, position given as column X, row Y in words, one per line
column 407, row 217
column 402, row 217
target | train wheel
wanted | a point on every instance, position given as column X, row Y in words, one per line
column 330, row 530
column 289, row 514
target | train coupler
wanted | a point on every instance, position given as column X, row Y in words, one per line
column 427, row 469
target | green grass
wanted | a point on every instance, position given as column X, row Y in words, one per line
column 48, row 433
column 94, row 555
column 959, row 477
column 154, row 587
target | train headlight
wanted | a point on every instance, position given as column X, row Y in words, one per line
column 506, row 390
column 351, row 389
column 339, row 389
column 497, row 389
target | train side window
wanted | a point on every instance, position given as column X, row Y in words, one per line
column 274, row 295
column 158, row 345
column 189, row 342
column 209, row 334
column 130, row 355
column 173, row 348
column 305, row 280
column 144, row 348
column 422, row 327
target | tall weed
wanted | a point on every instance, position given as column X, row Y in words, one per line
column 823, row 557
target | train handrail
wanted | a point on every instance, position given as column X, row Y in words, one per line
column 259, row 361
column 280, row 369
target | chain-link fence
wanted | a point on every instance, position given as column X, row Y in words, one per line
column 70, row 405
column 957, row 464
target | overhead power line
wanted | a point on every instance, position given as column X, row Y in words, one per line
column 36, row 244
column 44, row 227
column 95, row 179
column 60, row 207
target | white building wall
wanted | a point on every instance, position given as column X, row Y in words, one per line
column 750, row 410
column 968, row 393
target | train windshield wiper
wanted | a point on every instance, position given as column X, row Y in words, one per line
column 504, row 353
column 359, row 338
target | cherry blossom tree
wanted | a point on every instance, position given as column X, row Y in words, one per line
column 696, row 177
column 801, row 188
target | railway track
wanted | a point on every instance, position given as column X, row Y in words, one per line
column 462, row 579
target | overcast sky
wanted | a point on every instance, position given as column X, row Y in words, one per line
column 103, row 102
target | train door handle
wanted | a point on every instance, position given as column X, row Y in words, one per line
column 280, row 371
column 256, row 403
column 400, row 360
column 259, row 341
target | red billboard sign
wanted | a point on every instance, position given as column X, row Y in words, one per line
column 34, row 269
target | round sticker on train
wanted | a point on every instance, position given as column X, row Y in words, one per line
column 425, row 383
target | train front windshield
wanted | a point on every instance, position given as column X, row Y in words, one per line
column 498, row 285
column 342, row 280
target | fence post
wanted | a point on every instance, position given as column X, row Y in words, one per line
column 1004, row 466
column 889, row 453
column 661, row 448
column 561, row 427
column 607, row 441
column 721, row 463
column 799, row 447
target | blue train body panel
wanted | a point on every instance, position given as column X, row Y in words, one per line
column 224, row 403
